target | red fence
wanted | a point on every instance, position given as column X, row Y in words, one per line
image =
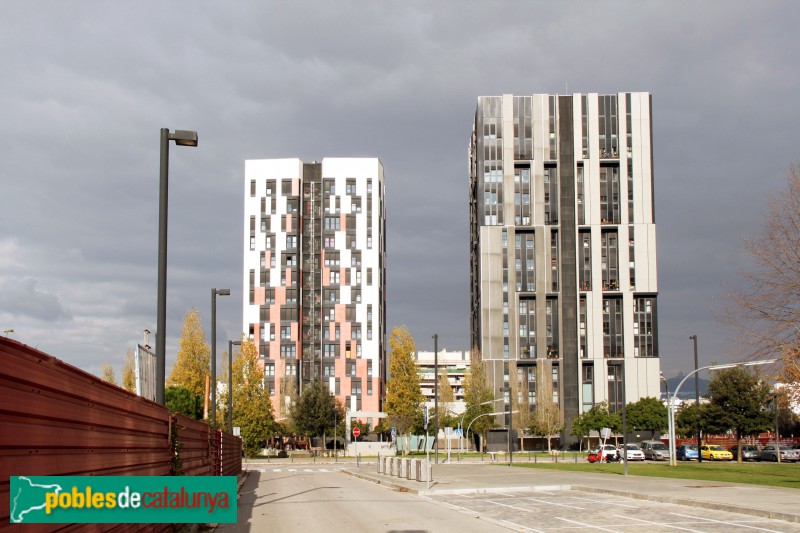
column 58, row 420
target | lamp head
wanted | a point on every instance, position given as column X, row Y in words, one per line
column 184, row 137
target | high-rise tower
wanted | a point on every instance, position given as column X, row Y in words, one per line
column 315, row 272
column 563, row 246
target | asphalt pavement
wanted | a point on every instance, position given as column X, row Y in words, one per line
column 483, row 477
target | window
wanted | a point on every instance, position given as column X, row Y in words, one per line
column 351, row 368
column 269, row 369
column 329, row 242
column 369, row 276
column 252, row 187
column 286, row 332
column 291, row 242
column 334, row 277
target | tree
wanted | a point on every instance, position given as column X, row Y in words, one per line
column 686, row 420
column 446, row 399
column 595, row 419
column 738, row 402
column 182, row 400
column 252, row 409
column 107, row 374
column 194, row 357
column 403, row 393
column 523, row 418
column 764, row 309
column 129, row 372
column 478, row 397
column 314, row 412
column 648, row 414
column 547, row 418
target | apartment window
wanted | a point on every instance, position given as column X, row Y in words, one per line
column 270, row 186
column 252, row 187
column 612, row 327
column 609, row 260
column 355, row 387
column 269, row 369
column 369, row 387
column 350, row 186
column 286, row 332
column 550, row 195
column 291, row 242
column 328, row 370
column 288, row 350
column 286, row 187
column 334, row 277
column 585, row 260
column 369, row 276
column 551, row 325
column 329, row 350
column 355, row 333
column 587, row 392
column 329, row 241
column 554, row 260
column 644, row 327
column 609, row 195
column 332, row 223
column 350, row 368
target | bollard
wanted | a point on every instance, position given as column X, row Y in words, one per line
column 380, row 464
column 408, row 469
column 535, row 459
column 576, row 457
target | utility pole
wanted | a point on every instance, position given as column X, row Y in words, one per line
column 697, row 401
column 436, row 395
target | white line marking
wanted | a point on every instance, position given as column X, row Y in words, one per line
column 511, row 506
column 277, row 470
column 291, row 470
column 581, row 524
column 605, row 502
column 558, row 504
column 524, row 528
column 657, row 523
column 323, row 469
column 739, row 524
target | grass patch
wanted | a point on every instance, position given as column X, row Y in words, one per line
column 783, row 475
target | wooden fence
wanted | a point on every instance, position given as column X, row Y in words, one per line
column 58, row 420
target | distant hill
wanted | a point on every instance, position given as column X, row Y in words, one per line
column 687, row 390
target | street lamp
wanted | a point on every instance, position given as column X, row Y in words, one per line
column 697, row 400
column 231, row 344
column 181, row 138
column 461, row 424
column 214, row 293
column 510, row 422
column 436, row 394
column 672, row 461
column 669, row 422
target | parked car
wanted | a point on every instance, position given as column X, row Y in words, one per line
column 686, row 452
column 715, row 452
column 770, row 453
column 632, row 453
column 655, row 450
column 605, row 453
column 749, row 452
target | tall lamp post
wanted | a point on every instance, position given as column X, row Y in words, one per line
column 510, row 422
column 436, row 395
column 181, row 138
column 669, row 422
column 710, row 367
column 693, row 338
column 214, row 293
column 231, row 344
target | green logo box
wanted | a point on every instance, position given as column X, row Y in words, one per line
column 122, row 499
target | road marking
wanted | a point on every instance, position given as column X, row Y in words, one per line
column 605, row 502
column 739, row 524
column 511, row 506
column 581, row 524
column 558, row 504
column 524, row 528
column 657, row 523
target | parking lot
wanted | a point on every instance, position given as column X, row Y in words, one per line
column 572, row 510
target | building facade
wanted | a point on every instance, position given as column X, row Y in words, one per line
column 315, row 273
column 563, row 246
column 455, row 364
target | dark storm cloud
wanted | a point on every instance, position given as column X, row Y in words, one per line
column 87, row 86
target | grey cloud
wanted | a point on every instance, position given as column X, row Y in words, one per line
column 22, row 297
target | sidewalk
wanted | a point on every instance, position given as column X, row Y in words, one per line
column 476, row 478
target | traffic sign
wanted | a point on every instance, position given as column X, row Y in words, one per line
column 356, row 432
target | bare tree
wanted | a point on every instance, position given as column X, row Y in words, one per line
column 764, row 308
column 523, row 419
column 547, row 419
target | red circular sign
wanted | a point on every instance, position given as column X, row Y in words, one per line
column 356, row 432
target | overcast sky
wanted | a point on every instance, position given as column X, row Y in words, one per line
column 86, row 86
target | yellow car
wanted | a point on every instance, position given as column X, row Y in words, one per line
column 715, row 452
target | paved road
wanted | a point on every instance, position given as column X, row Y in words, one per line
column 573, row 511
column 314, row 498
